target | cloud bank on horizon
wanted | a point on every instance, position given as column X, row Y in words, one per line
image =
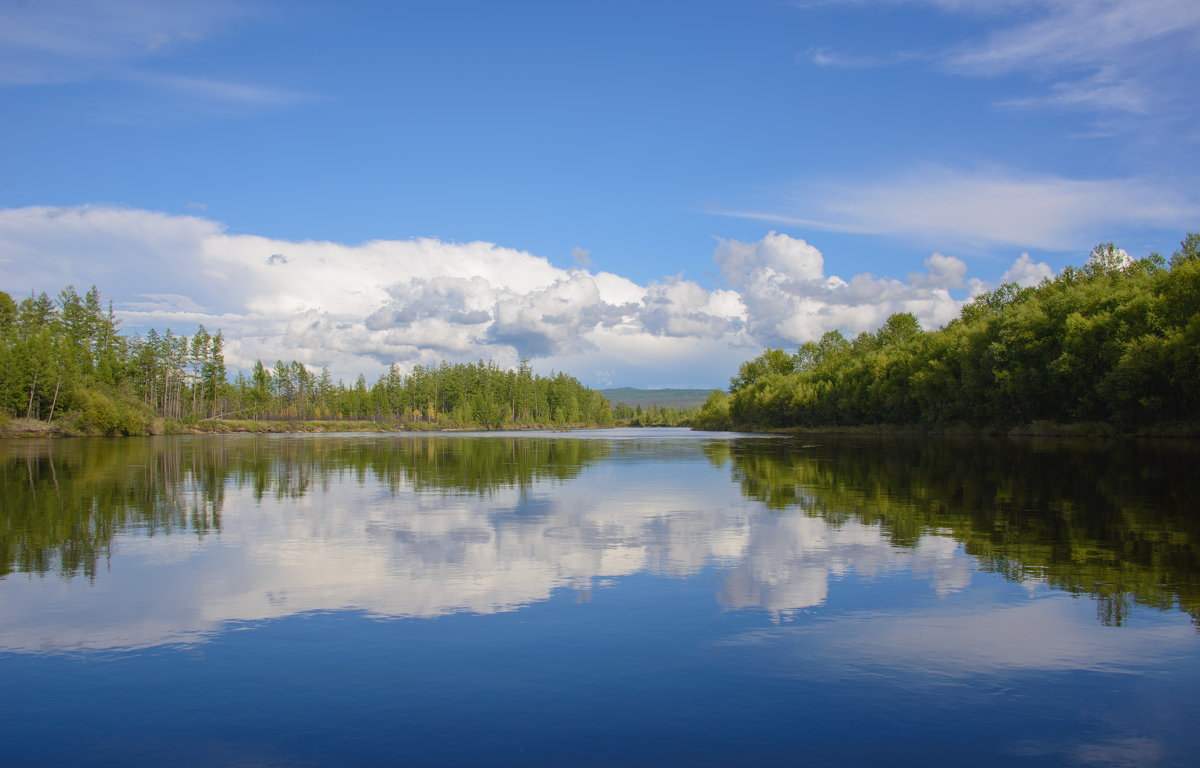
column 360, row 308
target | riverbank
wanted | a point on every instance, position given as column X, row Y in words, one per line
column 1036, row 429
column 34, row 428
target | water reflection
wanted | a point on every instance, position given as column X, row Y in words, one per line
column 136, row 542
column 1113, row 520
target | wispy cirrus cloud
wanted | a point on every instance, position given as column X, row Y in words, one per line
column 1124, row 64
column 1093, row 55
column 1096, row 54
column 56, row 41
column 1082, row 35
column 126, row 41
column 220, row 90
column 827, row 57
column 1099, row 92
column 981, row 207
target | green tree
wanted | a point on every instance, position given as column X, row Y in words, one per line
column 771, row 361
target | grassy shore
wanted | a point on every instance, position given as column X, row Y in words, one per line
column 229, row 426
column 24, row 428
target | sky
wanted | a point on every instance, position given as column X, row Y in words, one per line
column 638, row 193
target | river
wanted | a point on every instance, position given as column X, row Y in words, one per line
column 610, row 597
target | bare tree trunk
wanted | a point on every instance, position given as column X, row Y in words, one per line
column 54, row 402
column 32, row 389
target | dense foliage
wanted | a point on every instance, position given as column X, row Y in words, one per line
column 66, row 361
column 1117, row 341
column 471, row 394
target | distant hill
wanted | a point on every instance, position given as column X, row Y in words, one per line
column 665, row 398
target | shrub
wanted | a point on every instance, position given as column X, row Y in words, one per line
column 99, row 413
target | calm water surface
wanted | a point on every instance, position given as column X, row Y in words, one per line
column 636, row 597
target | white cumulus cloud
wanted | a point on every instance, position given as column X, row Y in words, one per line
column 789, row 299
column 360, row 308
column 1025, row 271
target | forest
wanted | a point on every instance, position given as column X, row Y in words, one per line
column 65, row 363
column 1115, row 342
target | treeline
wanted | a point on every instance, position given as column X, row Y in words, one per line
column 66, row 362
column 62, row 361
column 653, row 415
column 1115, row 341
column 464, row 394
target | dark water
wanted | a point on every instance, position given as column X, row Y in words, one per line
column 641, row 597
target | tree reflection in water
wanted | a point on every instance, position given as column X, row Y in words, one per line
column 1114, row 521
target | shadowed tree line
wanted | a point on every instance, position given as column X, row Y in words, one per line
column 1117, row 341
column 1108, row 519
column 66, row 362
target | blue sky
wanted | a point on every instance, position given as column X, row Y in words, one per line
column 591, row 184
